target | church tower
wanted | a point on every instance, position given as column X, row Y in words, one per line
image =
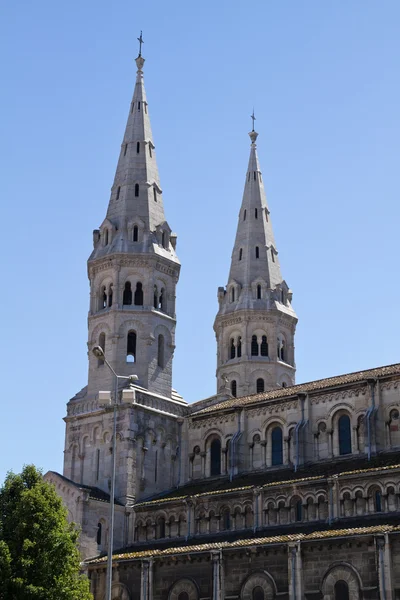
column 256, row 323
column 133, row 269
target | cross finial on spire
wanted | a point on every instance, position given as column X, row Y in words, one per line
column 140, row 40
column 253, row 118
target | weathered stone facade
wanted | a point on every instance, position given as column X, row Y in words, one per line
column 290, row 493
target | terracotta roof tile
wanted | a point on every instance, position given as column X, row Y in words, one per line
column 262, row 541
column 311, row 386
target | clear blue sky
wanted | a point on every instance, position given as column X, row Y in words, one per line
column 324, row 80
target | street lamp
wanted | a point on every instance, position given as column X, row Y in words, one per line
column 104, row 400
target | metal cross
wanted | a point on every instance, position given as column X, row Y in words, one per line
column 253, row 117
column 140, row 40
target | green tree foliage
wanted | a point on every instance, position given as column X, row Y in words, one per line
column 39, row 558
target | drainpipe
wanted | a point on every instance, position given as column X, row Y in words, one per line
column 369, row 414
column 299, row 426
column 232, row 447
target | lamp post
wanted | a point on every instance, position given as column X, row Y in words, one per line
column 99, row 353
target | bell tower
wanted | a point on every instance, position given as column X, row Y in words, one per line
column 133, row 269
column 256, row 323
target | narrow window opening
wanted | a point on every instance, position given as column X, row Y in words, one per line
column 136, row 190
column 98, row 537
column 164, row 240
column 257, row 252
column 264, row 346
column 254, row 345
column 135, row 233
column 106, row 237
column 139, row 294
column 150, row 152
column 155, row 471
column 255, row 176
column 272, row 255
column 256, row 213
column 226, row 519
column 240, row 254
column 260, row 386
column 277, row 446
column 155, row 297
column 161, row 528
column 160, row 353
column 131, row 347
column 234, row 388
column 118, row 191
column 378, row 501
column 155, row 194
column 161, row 300
column 239, row 347
column 103, row 297
column 244, row 214
column 232, row 349
column 299, row 511
column 145, row 107
column 97, row 464
column 215, row 457
column 341, row 591
column 127, row 296
column 344, row 435
column 138, row 105
column 283, row 384
column 125, row 149
column 110, row 295
column 137, row 147
column 259, row 292
column 233, row 295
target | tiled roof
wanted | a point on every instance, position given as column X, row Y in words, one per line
column 302, row 388
column 377, row 465
column 95, row 493
column 262, row 541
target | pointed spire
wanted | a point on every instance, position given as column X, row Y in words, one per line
column 254, row 254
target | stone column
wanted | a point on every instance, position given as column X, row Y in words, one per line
column 333, row 498
column 384, row 567
column 218, row 576
column 146, row 582
column 330, row 443
column 286, row 456
column 203, row 463
column 295, row 572
column 264, row 452
column 257, row 508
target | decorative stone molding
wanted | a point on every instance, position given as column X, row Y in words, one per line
column 263, row 580
column 184, row 585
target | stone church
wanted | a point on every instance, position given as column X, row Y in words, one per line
column 268, row 489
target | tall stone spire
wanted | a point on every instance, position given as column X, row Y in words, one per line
column 133, row 269
column 255, row 324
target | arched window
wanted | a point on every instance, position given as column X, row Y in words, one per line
column 244, row 215
column 254, row 345
column 135, row 233
column 341, row 591
column 257, row 252
column 110, row 294
column 234, row 388
column 240, row 254
column 215, row 457
column 99, row 532
column 102, row 344
column 299, row 511
column 283, row 384
column 233, row 294
column 139, row 294
column 264, row 346
column 277, row 446
column 239, row 347
column 103, row 297
column 137, row 147
column 226, row 519
column 131, row 347
column 161, row 300
column 160, row 528
column 344, row 430
column 155, row 300
column 260, row 385
column 378, row 501
column 155, row 194
column 118, row 191
column 136, row 190
column 259, row 292
column 281, row 349
column 257, row 593
column 232, row 349
column 160, row 351
column 127, row 296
